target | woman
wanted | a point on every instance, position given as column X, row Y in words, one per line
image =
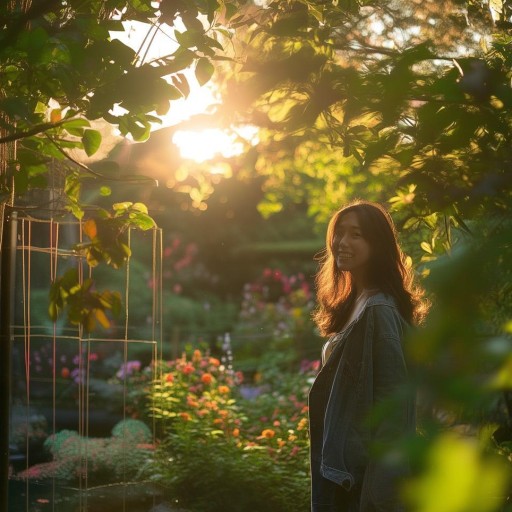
column 358, row 402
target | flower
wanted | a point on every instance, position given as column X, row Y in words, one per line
column 128, row 368
column 214, row 361
column 303, row 423
column 185, row 416
column 267, row 433
column 65, row 372
column 236, row 432
column 196, row 356
column 223, row 390
column 206, row 378
column 169, row 378
column 188, row 369
column 192, row 402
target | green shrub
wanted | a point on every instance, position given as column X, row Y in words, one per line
column 103, row 460
column 214, row 454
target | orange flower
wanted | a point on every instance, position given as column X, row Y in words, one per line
column 303, row 423
column 196, row 356
column 169, row 378
column 65, row 373
column 223, row 390
column 280, row 443
column 206, row 378
column 217, row 421
column 185, row 416
column 214, row 361
column 223, row 413
column 192, row 402
column 276, row 423
column 267, row 433
column 236, row 432
column 211, row 405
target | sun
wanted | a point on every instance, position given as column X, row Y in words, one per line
column 199, row 145
column 203, row 145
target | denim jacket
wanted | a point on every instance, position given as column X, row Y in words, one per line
column 365, row 368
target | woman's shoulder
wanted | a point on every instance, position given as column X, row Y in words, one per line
column 384, row 313
column 381, row 299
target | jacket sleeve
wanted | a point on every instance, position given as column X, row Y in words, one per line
column 390, row 420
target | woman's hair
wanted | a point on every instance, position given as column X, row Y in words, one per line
column 388, row 270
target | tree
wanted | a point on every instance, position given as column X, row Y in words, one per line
column 408, row 103
column 62, row 68
column 63, row 73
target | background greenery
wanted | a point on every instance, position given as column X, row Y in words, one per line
column 402, row 102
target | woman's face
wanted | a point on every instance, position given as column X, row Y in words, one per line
column 351, row 250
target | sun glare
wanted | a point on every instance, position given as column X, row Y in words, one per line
column 197, row 145
column 207, row 144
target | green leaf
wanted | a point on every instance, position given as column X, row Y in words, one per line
column 76, row 126
column 231, row 10
column 121, row 207
column 142, row 221
column 140, row 207
column 91, row 140
column 426, row 247
column 204, row 70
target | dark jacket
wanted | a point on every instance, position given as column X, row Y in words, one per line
column 366, row 368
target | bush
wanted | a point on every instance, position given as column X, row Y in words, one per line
column 104, row 460
column 214, row 453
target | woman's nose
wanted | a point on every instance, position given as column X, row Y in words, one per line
column 342, row 241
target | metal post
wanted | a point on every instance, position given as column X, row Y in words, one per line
column 7, row 259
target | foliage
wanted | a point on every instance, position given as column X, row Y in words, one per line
column 205, row 423
column 366, row 99
column 113, row 459
column 63, row 67
column 32, row 430
column 108, row 244
column 275, row 316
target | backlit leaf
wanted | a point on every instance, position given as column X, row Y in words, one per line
column 204, row 70
column 91, row 140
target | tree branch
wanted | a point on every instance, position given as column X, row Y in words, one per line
column 40, row 128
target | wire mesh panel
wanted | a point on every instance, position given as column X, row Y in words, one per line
column 78, row 430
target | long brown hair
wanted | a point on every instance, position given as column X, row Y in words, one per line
column 388, row 270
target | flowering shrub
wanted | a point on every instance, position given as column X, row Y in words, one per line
column 221, row 452
column 280, row 302
column 198, row 391
column 275, row 322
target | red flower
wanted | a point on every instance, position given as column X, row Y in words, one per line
column 188, row 369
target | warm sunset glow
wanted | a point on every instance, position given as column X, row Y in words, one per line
column 198, row 145
column 207, row 144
